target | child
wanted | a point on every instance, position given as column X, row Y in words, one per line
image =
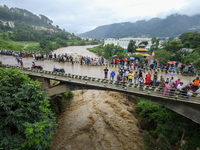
column 141, row 81
column 166, row 89
column 189, row 93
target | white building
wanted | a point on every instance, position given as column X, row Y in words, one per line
column 123, row 42
column 11, row 24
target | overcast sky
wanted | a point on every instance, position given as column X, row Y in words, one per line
column 78, row 16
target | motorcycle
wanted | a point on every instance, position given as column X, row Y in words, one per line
column 34, row 66
column 62, row 70
column 61, row 60
column 188, row 72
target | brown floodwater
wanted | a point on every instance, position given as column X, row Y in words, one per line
column 97, row 120
column 91, row 71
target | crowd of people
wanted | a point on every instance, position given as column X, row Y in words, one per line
column 167, row 86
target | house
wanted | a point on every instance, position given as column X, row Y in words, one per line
column 11, row 24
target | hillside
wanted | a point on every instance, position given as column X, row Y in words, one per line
column 171, row 26
column 20, row 29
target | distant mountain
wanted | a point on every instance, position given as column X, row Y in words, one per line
column 171, row 26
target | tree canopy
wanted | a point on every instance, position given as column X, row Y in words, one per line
column 26, row 122
column 131, row 46
column 162, row 56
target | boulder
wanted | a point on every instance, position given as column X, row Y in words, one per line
column 133, row 99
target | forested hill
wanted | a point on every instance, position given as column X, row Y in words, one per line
column 13, row 14
column 171, row 26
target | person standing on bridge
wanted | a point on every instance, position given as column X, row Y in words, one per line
column 166, row 89
column 72, row 60
column 155, row 77
column 21, row 62
column 17, row 58
column 195, row 85
column 106, row 72
column 130, row 76
column 124, row 80
column 136, row 75
column 118, row 79
column 112, row 75
column 148, row 79
column 141, row 81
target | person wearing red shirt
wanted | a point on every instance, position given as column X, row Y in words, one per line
column 148, row 79
column 125, row 60
column 115, row 61
column 118, row 61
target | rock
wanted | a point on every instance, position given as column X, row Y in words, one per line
column 131, row 110
column 72, row 101
column 125, row 102
column 184, row 142
column 132, row 99
column 197, row 148
column 158, row 140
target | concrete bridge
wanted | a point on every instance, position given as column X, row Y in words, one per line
column 69, row 82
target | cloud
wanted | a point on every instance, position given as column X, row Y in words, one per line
column 79, row 16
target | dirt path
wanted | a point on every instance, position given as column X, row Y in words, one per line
column 26, row 46
column 97, row 120
column 76, row 51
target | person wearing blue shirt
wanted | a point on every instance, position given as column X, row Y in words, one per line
column 155, row 63
column 172, row 66
column 164, row 64
column 190, row 67
column 112, row 75
column 176, row 65
column 182, row 67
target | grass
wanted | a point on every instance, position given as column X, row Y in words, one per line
column 33, row 47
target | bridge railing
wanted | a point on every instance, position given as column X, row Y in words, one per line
column 145, row 89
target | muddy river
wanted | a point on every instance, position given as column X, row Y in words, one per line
column 97, row 120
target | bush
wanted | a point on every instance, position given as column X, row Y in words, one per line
column 168, row 125
column 26, row 122
column 60, row 102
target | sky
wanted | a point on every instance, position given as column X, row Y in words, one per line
column 79, row 16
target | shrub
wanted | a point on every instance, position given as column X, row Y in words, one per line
column 168, row 125
column 60, row 102
column 26, row 121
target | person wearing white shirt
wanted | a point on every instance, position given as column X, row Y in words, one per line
column 180, row 86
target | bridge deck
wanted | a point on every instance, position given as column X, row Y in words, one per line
column 110, row 85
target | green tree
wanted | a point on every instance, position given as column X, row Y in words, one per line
column 4, row 36
column 173, row 46
column 25, row 118
column 131, row 46
column 43, row 43
column 108, row 51
column 144, row 42
column 162, row 56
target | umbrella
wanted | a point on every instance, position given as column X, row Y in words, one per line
column 132, row 58
column 142, row 70
column 172, row 74
column 114, row 56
